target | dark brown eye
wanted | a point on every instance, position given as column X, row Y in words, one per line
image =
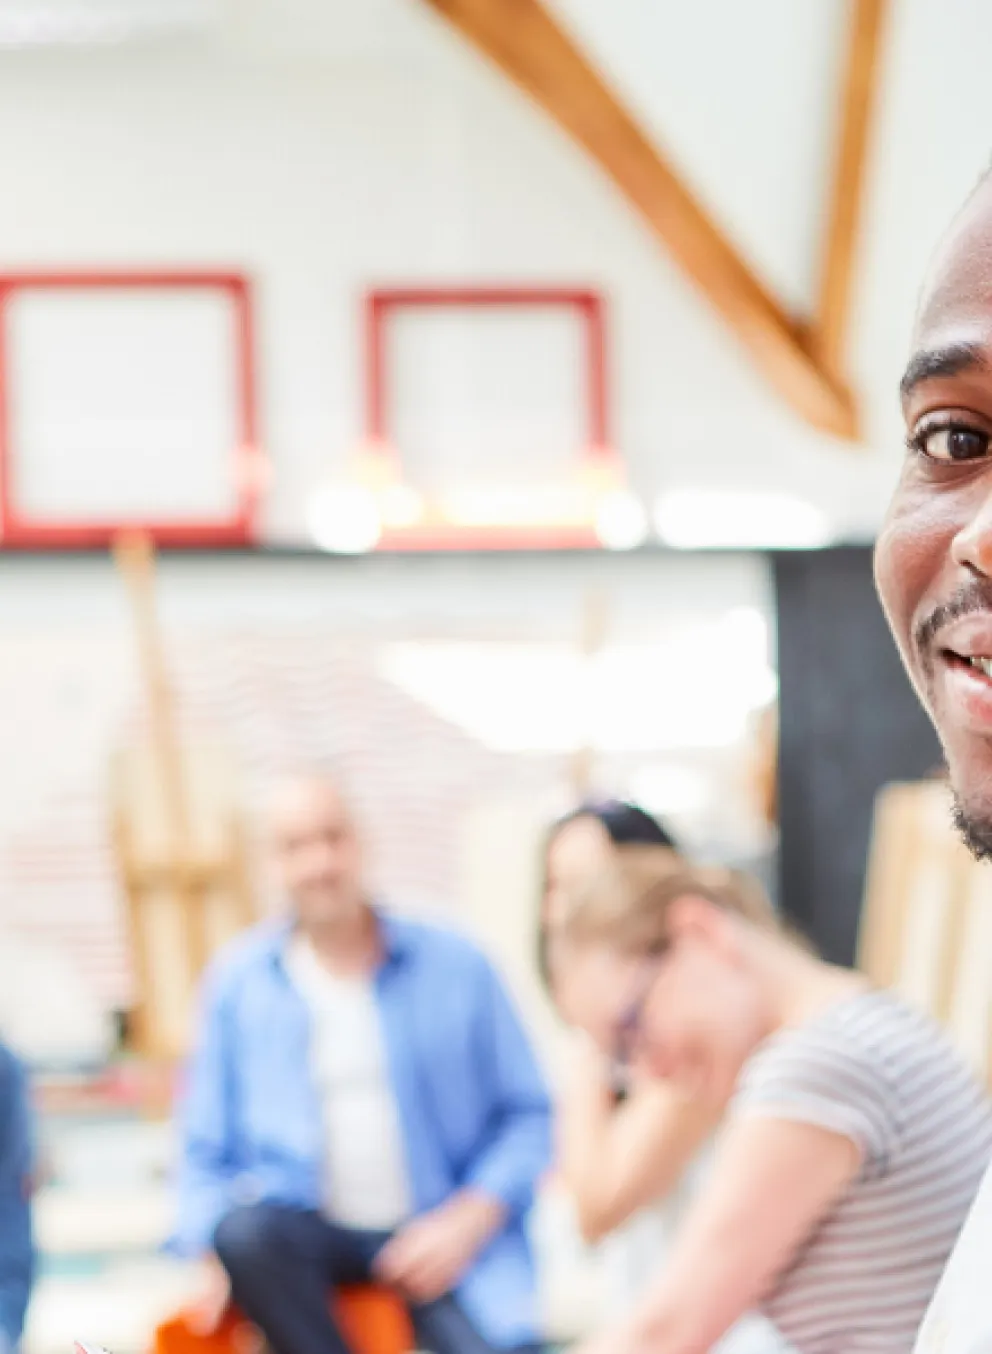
column 953, row 444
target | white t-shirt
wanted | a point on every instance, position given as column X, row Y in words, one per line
column 365, row 1164
column 960, row 1317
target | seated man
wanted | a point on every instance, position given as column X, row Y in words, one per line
column 362, row 1104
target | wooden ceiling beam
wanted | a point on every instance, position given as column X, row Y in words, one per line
column 530, row 47
column 831, row 325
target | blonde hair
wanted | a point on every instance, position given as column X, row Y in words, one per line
column 627, row 904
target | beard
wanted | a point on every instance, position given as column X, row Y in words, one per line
column 975, row 830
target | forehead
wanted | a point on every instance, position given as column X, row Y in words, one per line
column 304, row 804
column 957, row 293
column 581, row 842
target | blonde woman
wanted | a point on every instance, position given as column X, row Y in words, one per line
column 854, row 1139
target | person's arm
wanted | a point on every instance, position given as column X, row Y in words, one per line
column 614, row 1158
column 428, row 1256
column 517, row 1151
column 208, row 1158
column 773, row 1182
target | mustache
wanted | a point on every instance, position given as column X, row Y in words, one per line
column 974, row 598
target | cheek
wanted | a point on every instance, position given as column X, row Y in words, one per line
column 588, row 996
column 554, row 908
column 687, row 1000
column 725, row 1011
column 912, row 550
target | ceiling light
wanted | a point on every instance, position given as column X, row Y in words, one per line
column 686, row 692
column 621, row 522
column 401, row 506
column 344, row 520
column 669, row 788
column 43, row 23
column 508, row 505
column 708, row 519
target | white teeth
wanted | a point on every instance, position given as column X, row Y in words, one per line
column 983, row 665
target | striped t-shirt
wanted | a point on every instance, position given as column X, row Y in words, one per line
column 878, row 1072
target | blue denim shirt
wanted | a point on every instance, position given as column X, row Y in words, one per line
column 472, row 1105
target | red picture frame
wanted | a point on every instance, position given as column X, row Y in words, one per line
column 18, row 530
column 383, row 303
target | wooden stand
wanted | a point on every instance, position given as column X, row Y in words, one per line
column 926, row 924
column 179, row 840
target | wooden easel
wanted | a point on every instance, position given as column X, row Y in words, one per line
column 178, row 835
column 926, row 923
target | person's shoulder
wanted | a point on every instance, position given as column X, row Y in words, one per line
column 841, row 1036
column 12, row 1068
column 241, row 957
column 889, row 1032
column 430, row 938
column 862, row 1046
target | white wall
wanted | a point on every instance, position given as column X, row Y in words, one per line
column 322, row 149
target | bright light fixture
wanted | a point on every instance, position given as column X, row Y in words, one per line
column 621, row 522
column 495, row 505
column 344, row 520
column 402, row 506
column 670, row 788
column 40, row 23
column 701, row 519
column 698, row 689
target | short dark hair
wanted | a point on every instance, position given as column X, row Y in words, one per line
column 626, row 824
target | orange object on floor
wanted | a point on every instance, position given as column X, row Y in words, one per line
column 373, row 1321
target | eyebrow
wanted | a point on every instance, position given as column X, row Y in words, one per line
column 930, row 363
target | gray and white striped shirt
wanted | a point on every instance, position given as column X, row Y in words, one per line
column 880, row 1073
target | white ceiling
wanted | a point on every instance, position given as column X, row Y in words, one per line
column 55, row 23
column 741, row 97
column 333, row 30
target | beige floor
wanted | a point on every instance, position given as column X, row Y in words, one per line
column 100, row 1223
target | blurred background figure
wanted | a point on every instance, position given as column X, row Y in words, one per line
column 417, row 1160
column 626, row 1140
column 855, row 1136
column 494, row 401
column 17, row 1170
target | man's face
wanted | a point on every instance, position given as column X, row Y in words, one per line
column 933, row 561
column 316, row 852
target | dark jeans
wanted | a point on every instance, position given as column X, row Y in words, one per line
column 281, row 1263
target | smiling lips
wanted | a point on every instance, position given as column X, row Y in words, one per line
column 983, row 665
column 965, row 654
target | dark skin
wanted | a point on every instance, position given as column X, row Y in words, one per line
column 933, row 560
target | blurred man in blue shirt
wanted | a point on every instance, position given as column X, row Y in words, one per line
column 16, row 1167
column 362, row 1104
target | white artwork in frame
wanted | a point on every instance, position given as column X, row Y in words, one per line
column 122, row 403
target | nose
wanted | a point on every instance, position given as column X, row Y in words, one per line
column 971, row 547
column 321, row 859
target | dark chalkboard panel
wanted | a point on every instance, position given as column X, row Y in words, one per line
column 849, row 723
